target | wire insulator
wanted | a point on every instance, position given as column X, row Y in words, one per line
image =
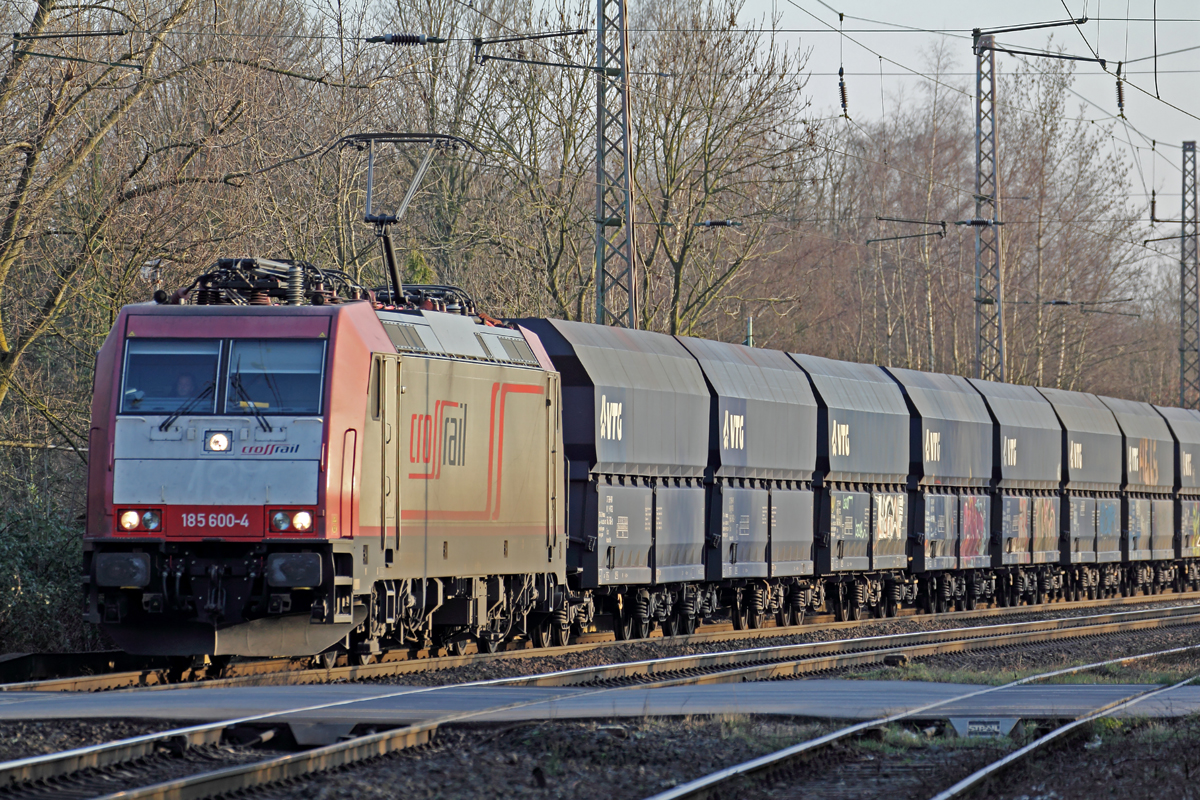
column 405, row 39
column 1120, row 98
column 842, row 89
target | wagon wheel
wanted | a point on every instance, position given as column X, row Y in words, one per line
column 560, row 635
column 687, row 624
column 839, row 603
column 785, row 617
column 622, row 626
column 755, row 615
column 740, row 613
column 540, row 631
column 670, row 625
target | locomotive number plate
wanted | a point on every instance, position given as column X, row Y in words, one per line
column 215, row 520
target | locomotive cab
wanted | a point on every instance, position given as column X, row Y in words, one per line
column 208, row 518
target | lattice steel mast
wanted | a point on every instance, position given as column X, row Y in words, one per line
column 989, row 314
column 616, row 289
column 1189, row 288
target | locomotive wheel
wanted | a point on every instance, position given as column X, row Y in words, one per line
column 486, row 644
column 458, row 647
column 363, row 659
column 540, row 631
column 326, row 660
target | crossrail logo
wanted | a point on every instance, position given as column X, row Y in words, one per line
column 438, row 439
column 610, row 419
column 733, row 432
column 839, row 435
column 269, row 449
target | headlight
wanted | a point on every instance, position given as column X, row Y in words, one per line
column 302, row 520
column 217, row 441
column 151, row 520
column 280, row 521
column 129, row 520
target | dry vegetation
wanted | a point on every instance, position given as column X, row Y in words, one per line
column 203, row 129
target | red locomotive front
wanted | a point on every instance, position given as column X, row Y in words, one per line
column 213, row 424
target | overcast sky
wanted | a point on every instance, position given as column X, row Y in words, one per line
column 1107, row 32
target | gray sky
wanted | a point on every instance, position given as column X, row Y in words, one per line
column 1107, row 32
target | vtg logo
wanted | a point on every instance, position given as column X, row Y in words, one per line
column 839, row 438
column 1133, row 460
column 1187, row 464
column 1009, row 451
column 733, row 432
column 610, row 419
column 933, row 445
column 1076, row 455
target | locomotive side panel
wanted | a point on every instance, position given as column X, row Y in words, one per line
column 473, row 466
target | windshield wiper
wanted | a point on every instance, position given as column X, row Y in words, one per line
column 235, row 380
column 187, row 406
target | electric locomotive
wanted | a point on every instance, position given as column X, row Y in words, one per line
column 281, row 464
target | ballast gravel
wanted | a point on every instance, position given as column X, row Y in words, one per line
column 626, row 761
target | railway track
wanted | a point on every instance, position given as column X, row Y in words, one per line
column 83, row 769
column 993, row 770
column 293, row 671
column 725, row 782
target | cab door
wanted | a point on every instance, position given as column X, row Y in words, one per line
column 388, row 394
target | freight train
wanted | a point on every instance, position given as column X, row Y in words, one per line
column 284, row 463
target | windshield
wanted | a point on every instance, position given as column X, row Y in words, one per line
column 164, row 375
column 275, row 376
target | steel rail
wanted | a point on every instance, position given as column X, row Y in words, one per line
column 714, row 783
column 963, row 787
column 764, row 663
column 269, row 672
column 790, row 660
